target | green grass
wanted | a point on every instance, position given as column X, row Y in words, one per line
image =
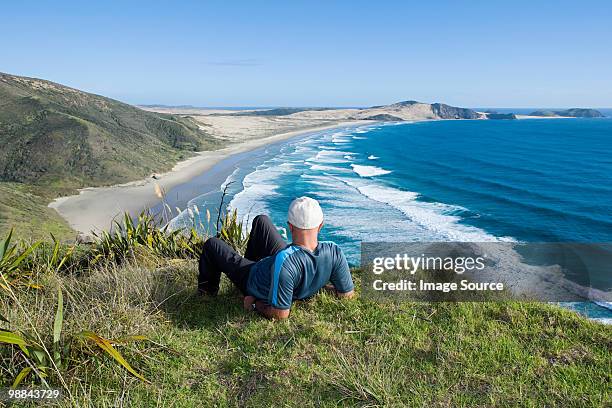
column 24, row 208
column 329, row 352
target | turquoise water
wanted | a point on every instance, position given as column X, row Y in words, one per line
column 528, row 180
column 523, row 180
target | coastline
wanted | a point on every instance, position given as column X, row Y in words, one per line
column 95, row 208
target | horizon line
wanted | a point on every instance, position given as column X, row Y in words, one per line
column 188, row 106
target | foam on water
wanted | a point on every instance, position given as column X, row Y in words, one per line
column 441, row 219
column 329, row 156
column 354, row 206
column 606, row 305
column 369, row 171
column 318, row 167
column 258, row 187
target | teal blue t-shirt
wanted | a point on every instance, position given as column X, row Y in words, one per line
column 296, row 273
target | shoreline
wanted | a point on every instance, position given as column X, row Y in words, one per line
column 95, row 208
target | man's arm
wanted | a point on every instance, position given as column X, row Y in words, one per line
column 341, row 279
column 271, row 312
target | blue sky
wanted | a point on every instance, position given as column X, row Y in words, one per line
column 332, row 53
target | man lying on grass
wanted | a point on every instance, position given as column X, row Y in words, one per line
column 272, row 274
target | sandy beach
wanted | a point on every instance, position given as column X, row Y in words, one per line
column 95, row 208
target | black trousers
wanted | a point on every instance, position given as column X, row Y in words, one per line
column 217, row 256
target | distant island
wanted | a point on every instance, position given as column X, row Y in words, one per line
column 569, row 113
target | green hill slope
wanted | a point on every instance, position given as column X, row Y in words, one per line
column 23, row 207
column 329, row 353
column 64, row 138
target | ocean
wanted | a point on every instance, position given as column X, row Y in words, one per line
column 532, row 180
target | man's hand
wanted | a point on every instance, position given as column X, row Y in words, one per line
column 248, row 303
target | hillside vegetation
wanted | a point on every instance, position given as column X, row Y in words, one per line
column 56, row 139
column 187, row 351
column 23, row 207
column 58, row 136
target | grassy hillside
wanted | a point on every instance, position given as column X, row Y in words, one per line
column 208, row 352
column 330, row 352
column 56, row 139
column 24, row 208
column 61, row 137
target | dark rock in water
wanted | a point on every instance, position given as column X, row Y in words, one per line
column 501, row 116
column 384, row 117
column 572, row 113
column 451, row 112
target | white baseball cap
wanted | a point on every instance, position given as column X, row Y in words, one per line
column 305, row 213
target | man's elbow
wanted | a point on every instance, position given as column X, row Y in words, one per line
column 276, row 314
column 280, row 314
column 271, row 312
column 346, row 295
